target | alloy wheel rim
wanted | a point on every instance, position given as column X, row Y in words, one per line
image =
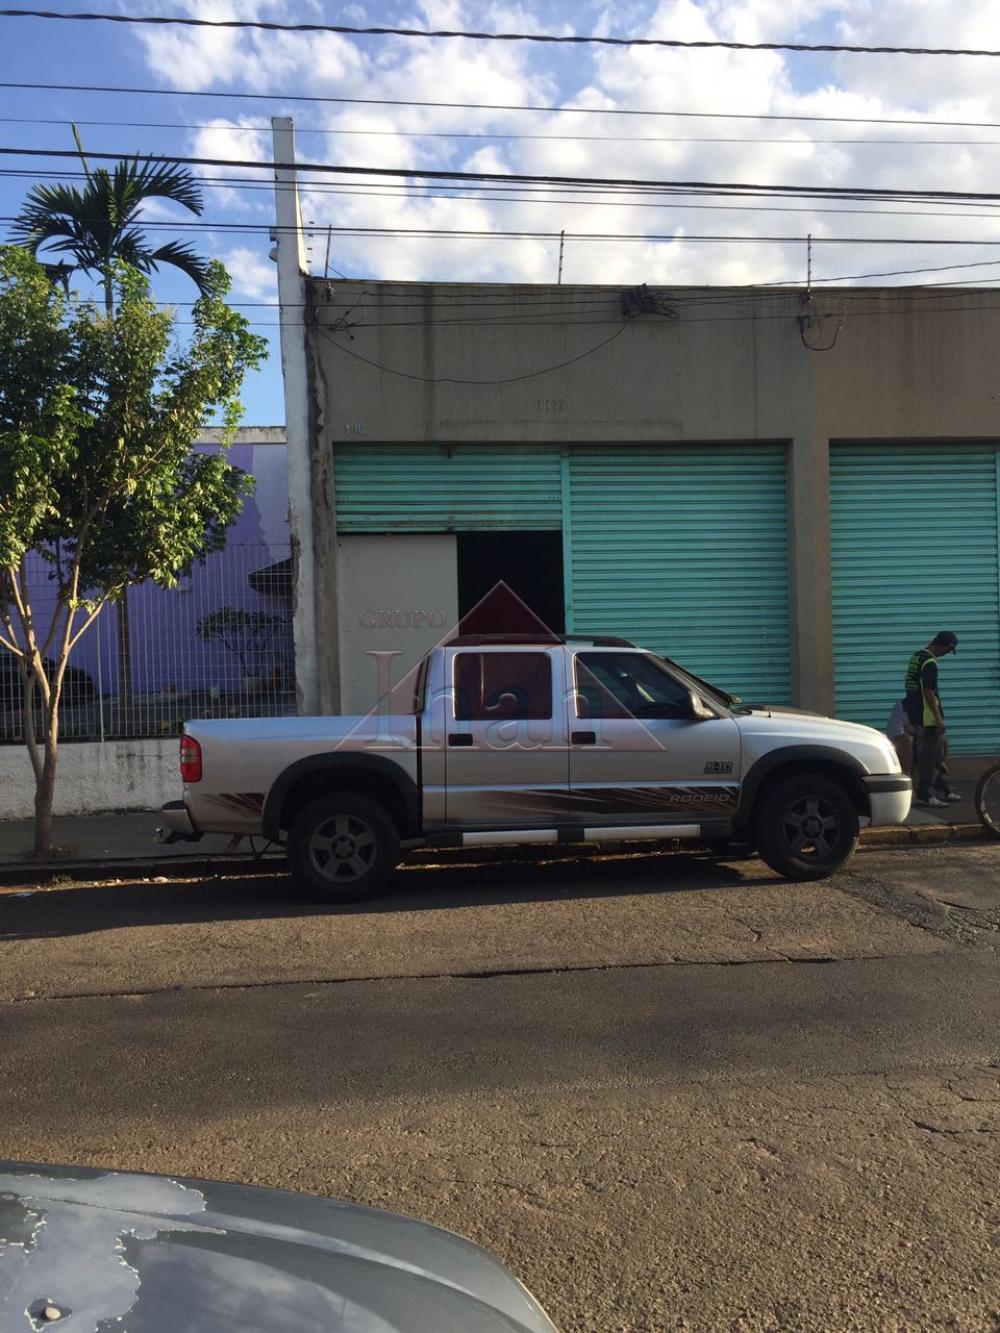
column 342, row 848
column 811, row 828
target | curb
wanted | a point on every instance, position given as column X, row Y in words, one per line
column 923, row 835
column 27, row 873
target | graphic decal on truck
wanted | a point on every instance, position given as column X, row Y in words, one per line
column 668, row 799
column 605, row 802
column 243, row 802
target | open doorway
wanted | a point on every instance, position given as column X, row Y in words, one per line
column 530, row 563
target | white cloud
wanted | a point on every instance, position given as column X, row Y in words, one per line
column 917, row 23
column 236, row 140
column 198, row 57
column 657, row 147
column 254, row 275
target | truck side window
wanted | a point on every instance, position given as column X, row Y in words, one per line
column 492, row 687
column 627, row 685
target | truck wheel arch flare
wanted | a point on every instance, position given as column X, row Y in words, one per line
column 339, row 767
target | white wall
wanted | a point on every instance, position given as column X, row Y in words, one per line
column 95, row 778
column 398, row 594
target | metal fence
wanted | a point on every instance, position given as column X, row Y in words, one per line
column 219, row 645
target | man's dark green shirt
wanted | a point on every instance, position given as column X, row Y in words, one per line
column 921, row 674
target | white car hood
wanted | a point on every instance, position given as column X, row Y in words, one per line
column 765, row 729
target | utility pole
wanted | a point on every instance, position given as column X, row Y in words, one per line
column 291, row 258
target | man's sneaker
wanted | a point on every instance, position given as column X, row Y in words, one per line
column 932, row 801
column 952, row 796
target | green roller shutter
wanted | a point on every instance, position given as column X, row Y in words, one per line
column 446, row 488
column 914, row 543
column 685, row 551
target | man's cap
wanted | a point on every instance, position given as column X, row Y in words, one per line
column 947, row 638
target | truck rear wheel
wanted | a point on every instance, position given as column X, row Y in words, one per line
column 343, row 847
column 806, row 826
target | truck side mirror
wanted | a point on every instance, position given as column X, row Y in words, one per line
column 697, row 710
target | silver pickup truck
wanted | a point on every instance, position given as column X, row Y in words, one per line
column 505, row 739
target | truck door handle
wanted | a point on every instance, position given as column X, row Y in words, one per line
column 460, row 738
column 583, row 737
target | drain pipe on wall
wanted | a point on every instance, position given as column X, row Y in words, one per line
column 291, row 259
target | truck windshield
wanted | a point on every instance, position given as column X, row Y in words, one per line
column 702, row 687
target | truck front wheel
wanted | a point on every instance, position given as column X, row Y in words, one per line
column 343, row 847
column 806, row 826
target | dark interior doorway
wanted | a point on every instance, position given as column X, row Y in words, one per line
column 529, row 563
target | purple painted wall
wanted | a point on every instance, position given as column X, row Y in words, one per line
column 167, row 655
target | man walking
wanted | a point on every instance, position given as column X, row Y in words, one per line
column 923, row 708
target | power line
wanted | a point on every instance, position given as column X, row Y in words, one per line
column 499, row 194
column 889, row 273
column 282, row 97
column 449, row 379
column 482, row 316
column 935, row 308
column 969, row 282
column 546, row 308
column 500, row 134
column 909, row 298
column 608, row 183
column 460, row 191
column 265, row 25
column 486, row 233
column 535, row 305
column 470, row 296
column 483, row 233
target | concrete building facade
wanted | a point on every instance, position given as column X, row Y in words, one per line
column 787, row 491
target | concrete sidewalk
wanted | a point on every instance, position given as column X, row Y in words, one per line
column 123, row 843
column 960, row 812
column 106, row 838
column 119, row 845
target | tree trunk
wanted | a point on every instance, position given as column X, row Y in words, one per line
column 45, row 789
column 30, row 739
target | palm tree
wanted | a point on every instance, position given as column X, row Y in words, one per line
column 96, row 225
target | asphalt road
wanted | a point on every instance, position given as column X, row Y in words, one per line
column 670, row 1094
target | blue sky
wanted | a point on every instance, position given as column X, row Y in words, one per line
column 214, row 62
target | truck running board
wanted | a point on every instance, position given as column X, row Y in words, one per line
column 623, row 833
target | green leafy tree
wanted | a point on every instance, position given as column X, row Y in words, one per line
column 97, row 227
column 98, row 416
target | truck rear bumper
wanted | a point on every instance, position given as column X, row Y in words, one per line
column 176, row 826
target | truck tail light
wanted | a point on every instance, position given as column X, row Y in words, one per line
column 190, row 759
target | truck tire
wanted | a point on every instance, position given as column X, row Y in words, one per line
column 806, row 826
column 343, row 847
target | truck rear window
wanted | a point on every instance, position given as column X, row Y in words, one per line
column 490, row 687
